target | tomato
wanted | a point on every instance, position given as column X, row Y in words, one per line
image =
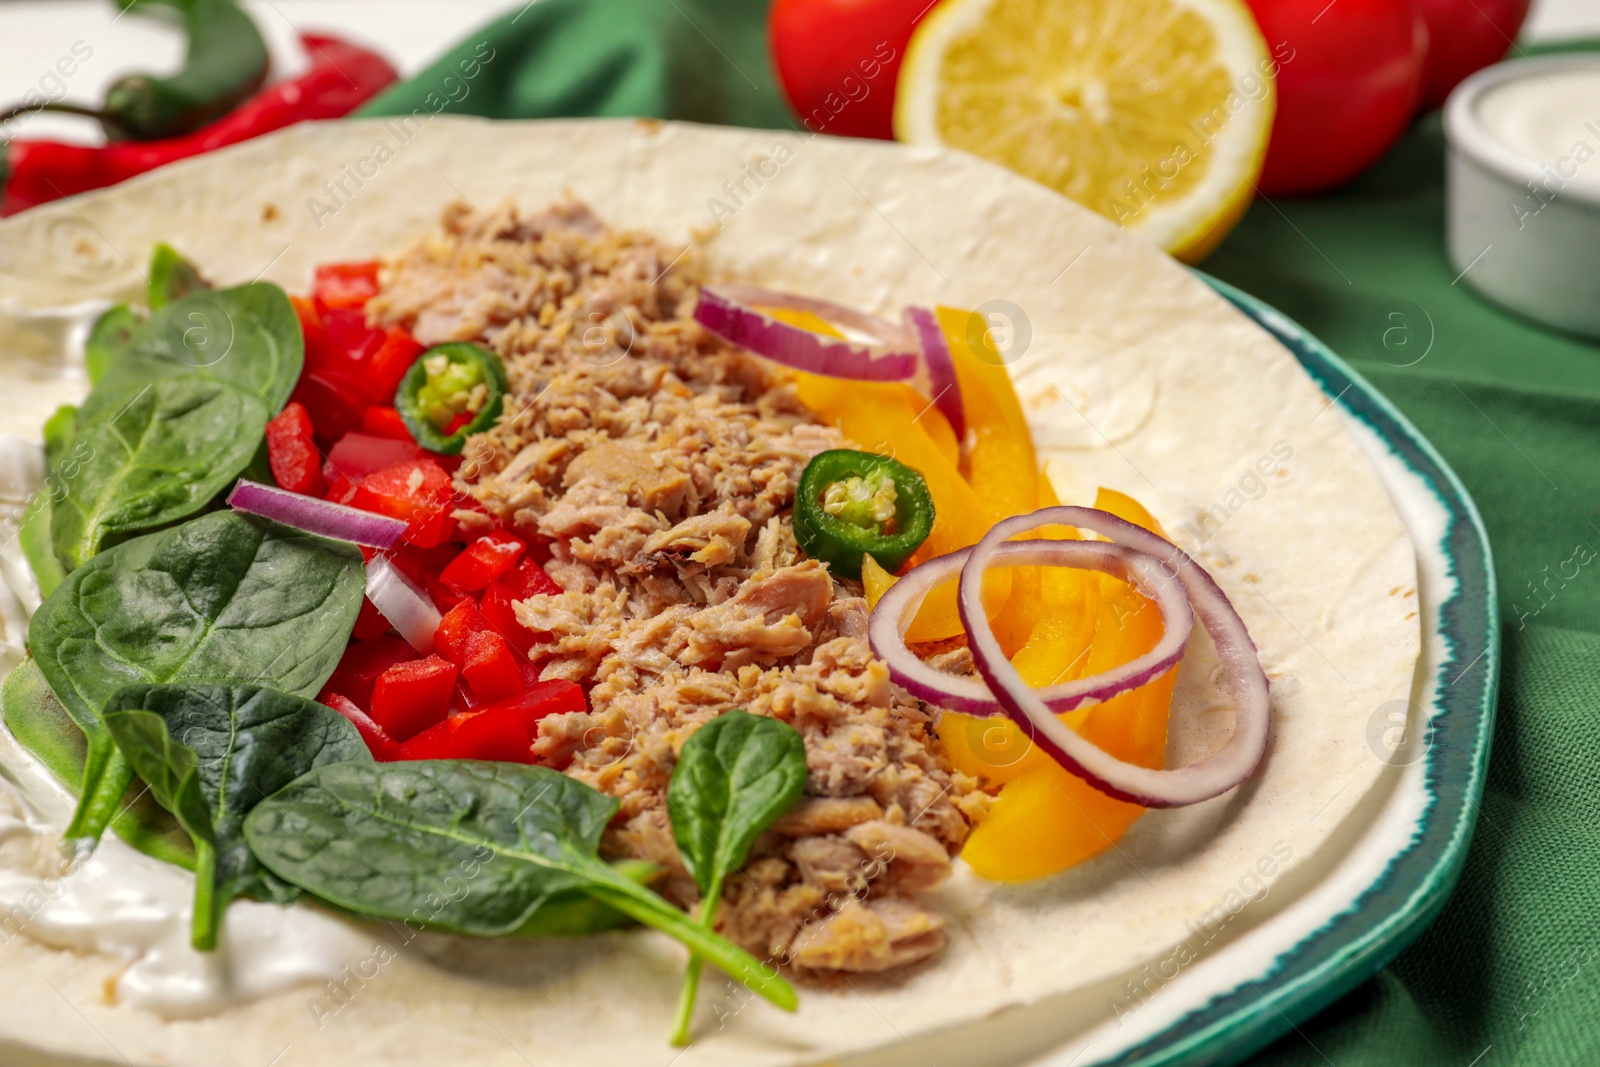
column 344, row 285
column 1465, row 36
column 838, row 60
column 292, row 452
column 1349, row 77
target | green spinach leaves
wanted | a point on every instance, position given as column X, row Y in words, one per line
column 735, row 777
column 393, row 840
column 224, row 598
column 179, row 405
column 210, row 754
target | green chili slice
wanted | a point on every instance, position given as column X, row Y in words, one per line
column 851, row 504
column 452, row 391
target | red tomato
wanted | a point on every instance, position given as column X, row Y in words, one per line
column 838, row 60
column 1465, row 36
column 1349, row 77
column 292, row 453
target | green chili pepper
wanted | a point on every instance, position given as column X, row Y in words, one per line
column 851, row 504
column 226, row 62
column 452, row 391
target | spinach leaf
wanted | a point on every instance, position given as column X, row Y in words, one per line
column 735, row 777
column 172, row 445
column 465, row 845
column 33, row 536
column 224, row 598
column 41, row 725
column 247, row 337
column 171, row 277
column 108, row 339
column 210, row 754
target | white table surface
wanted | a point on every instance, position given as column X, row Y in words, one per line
column 35, row 34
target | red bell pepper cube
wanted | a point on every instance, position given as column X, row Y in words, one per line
column 353, row 341
column 497, row 609
column 416, row 491
column 457, row 626
column 528, row 579
column 490, row 667
column 380, row 744
column 482, row 562
column 554, row 697
column 316, row 338
column 410, row 697
column 344, row 285
column 484, row 735
column 333, row 399
column 363, row 662
column 356, row 455
column 443, row 596
column 390, row 362
column 370, row 622
column 292, row 451
column 382, row 421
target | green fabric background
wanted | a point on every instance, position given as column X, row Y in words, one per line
column 1508, row 975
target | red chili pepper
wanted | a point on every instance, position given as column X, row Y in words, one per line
column 292, row 454
column 342, row 77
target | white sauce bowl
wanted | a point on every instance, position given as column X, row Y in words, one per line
column 1523, row 188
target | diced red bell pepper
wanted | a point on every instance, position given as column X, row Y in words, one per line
column 334, row 401
column 390, row 362
column 457, row 626
column 363, row 662
column 342, row 491
column 353, row 341
column 370, row 622
column 356, row 455
column 528, row 579
column 292, row 451
column 381, row 421
column 344, row 285
column 443, row 596
column 540, row 699
column 484, row 734
column 482, row 562
column 316, row 338
column 497, row 609
column 416, row 491
column 490, row 667
column 410, row 697
column 380, row 744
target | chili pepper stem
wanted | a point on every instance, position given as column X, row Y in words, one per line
column 56, row 107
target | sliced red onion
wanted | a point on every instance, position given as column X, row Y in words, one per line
column 923, row 325
column 729, row 311
column 317, row 516
column 408, row 609
column 1252, row 720
column 898, row 607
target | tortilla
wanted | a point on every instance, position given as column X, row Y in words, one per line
column 1138, row 377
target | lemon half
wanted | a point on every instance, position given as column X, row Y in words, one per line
column 1155, row 113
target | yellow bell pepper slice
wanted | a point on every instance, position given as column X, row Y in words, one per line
column 1045, row 818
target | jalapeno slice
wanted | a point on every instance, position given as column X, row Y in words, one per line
column 850, row 504
column 451, row 391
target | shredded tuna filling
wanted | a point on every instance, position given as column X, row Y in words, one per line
column 660, row 465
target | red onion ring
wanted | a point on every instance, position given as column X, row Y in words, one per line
column 729, row 311
column 316, row 516
column 1215, row 774
column 896, row 608
column 923, row 326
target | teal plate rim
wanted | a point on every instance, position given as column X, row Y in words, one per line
column 1395, row 908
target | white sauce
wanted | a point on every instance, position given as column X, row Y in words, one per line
column 1552, row 119
column 118, row 901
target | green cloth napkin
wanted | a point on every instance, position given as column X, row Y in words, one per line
column 1508, row 975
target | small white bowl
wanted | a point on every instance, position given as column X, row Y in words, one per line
column 1525, row 231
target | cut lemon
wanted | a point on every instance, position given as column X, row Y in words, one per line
column 1155, row 113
